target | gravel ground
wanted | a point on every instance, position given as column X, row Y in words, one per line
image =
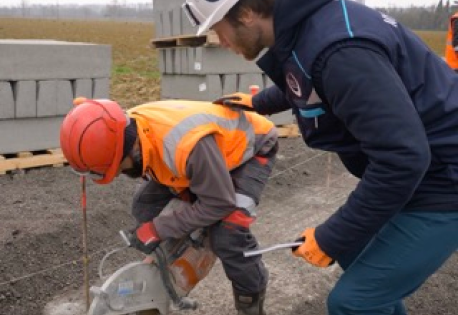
column 40, row 240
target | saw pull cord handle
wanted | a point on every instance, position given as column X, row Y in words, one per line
column 182, row 303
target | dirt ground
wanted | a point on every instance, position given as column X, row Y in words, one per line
column 40, row 240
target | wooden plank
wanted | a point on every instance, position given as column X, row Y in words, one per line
column 39, row 160
column 22, row 160
column 288, row 131
column 209, row 39
column 6, row 165
column 54, row 152
column 24, row 154
column 2, row 159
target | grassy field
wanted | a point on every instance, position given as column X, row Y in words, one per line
column 135, row 75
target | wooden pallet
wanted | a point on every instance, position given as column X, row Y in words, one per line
column 288, row 131
column 29, row 159
column 209, row 39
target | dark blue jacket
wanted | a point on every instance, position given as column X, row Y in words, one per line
column 365, row 87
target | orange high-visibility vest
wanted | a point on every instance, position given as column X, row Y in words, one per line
column 169, row 130
column 450, row 53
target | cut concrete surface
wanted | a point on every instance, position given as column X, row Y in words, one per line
column 40, row 233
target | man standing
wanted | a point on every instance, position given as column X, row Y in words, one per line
column 216, row 158
column 365, row 87
column 451, row 46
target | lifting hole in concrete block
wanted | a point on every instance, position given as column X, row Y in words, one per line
column 101, row 88
column 64, row 97
column 82, row 88
column 25, row 94
column 7, row 100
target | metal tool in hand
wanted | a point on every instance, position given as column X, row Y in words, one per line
column 271, row 248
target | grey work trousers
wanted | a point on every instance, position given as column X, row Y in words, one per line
column 248, row 275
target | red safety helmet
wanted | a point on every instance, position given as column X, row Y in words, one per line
column 92, row 138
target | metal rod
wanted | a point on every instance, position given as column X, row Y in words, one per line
column 85, row 251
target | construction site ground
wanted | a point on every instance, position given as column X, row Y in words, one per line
column 41, row 271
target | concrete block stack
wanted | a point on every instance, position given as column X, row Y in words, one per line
column 38, row 81
column 203, row 72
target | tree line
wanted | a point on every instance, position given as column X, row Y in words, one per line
column 141, row 11
column 434, row 17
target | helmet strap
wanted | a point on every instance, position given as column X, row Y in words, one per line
column 137, row 163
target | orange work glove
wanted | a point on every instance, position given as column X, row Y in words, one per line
column 236, row 100
column 310, row 251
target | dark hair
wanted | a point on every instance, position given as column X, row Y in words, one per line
column 264, row 8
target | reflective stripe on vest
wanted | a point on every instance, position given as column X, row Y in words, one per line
column 173, row 138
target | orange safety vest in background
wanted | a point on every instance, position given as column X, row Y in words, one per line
column 169, row 130
column 450, row 53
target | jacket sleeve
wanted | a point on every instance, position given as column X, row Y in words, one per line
column 211, row 182
column 270, row 101
column 366, row 93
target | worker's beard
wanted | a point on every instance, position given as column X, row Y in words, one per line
column 248, row 42
column 137, row 167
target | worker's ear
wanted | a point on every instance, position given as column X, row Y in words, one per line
column 247, row 16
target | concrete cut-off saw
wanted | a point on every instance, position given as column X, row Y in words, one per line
column 159, row 283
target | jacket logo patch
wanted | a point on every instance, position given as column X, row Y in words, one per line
column 293, row 84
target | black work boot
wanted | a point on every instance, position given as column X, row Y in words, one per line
column 250, row 304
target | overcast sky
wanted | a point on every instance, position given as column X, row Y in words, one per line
column 374, row 3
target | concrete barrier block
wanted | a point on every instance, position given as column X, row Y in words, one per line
column 229, row 83
column 184, row 61
column 217, row 60
column 161, row 60
column 26, row 99
column 169, row 60
column 245, row 80
column 177, row 61
column 157, row 19
column 46, row 98
column 162, row 5
column 52, row 60
column 6, row 100
column 166, row 23
column 186, row 25
column 192, row 87
column 83, row 88
column 101, row 88
column 283, row 118
column 29, row 134
column 267, row 81
column 64, row 97
column 191, row 60
column 176, row 22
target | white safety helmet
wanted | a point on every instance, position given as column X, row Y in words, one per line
column 206, row 13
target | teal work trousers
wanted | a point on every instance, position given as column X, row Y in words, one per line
column 395, row 263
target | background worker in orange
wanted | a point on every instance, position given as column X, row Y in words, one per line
column 451, row 47
column 218, row 157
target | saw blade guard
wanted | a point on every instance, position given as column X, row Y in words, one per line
column 135, row 287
